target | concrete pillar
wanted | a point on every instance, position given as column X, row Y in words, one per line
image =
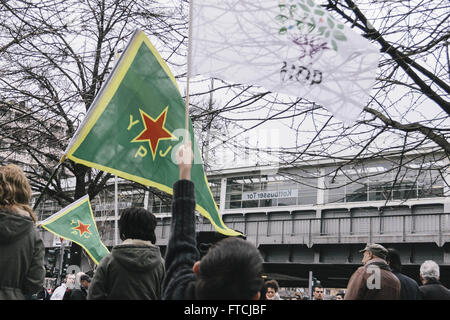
column 223, row 194
column 316, row 254
column 321, row 187
column 446, row 257
column 446, row 176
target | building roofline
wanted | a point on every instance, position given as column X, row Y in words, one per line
column 315, row 163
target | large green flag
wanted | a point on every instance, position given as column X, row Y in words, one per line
column 136, row 125
column 76, row 223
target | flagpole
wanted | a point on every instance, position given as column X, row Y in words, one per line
column 116, row 189
column 116, row 212
column 61, row 263
column 188, row 75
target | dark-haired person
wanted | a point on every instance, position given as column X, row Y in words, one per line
column 22, row 251
column 81, row 292
column 134, row 270
column 232, row 267
column 318, row 292
column 272, row 288
column 409, row 289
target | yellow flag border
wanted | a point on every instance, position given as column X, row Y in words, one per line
column 65, row 211
column 100, row 105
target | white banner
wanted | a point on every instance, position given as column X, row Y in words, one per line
column 294, row 47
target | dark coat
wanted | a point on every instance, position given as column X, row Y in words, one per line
column 182, row 251
column 78, row 294
column 409, row 289
column 434, row 290
column 358, row 288
column 21, row 257
column 133, row 270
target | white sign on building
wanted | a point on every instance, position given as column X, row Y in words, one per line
column 57, row 242
column 276, row 194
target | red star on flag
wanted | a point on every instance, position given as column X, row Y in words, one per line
column 82, row 228
column 154, row 130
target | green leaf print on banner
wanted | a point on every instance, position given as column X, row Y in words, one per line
column 334, row 45
column 339, row 35
column 330, row 23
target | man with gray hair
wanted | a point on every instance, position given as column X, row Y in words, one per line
column 432, row 289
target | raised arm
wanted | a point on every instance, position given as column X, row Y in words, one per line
column 182, row 250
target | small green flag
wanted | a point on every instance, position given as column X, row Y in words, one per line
column 76, row 223
column 136, row 125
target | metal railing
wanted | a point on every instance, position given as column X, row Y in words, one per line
column 433, row 227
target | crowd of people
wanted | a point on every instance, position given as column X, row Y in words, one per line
column 230, row 270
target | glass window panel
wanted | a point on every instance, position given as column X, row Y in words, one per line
column 356, row 192
column 234, row 197
column 307, row 197
column 433, row 192
column 267, row 203
column 250, row 204
column 404, row 191
column 156, row 207
column 251, row 187
column 234, row 188
column 235, row 204
column 335, row 195
column 287, row 201
column 166, row 208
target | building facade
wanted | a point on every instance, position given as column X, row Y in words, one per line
column 316, row 216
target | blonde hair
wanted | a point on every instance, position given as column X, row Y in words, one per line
column 15, row 190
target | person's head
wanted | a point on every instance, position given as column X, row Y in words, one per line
column 231, row 269
column 318, row 292
column 272, row 288
column 70, row 280
column 429, row 270
column 78, row 276
column 15, row 190
column 85, row 281
column 393, row 260
column 137, row 223
column 340, row 295
column 373, row 250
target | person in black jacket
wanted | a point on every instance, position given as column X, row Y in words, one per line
column 81, row 292
column 21, row 248
column 134, row 270
column 409, row 289
column 232, row 267
column 432, row 289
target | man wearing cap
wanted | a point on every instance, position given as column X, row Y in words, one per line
column 374, row 280
column 81, row 293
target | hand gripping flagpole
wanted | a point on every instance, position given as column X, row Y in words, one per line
column 188, row 75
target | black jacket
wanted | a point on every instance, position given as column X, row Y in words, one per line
column 409, row 289
column 434, row 290
column 133, row 270
column 78, row 294
column 182, row 251
column 21, row 257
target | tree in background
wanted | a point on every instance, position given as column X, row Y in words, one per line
column 55, row 55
